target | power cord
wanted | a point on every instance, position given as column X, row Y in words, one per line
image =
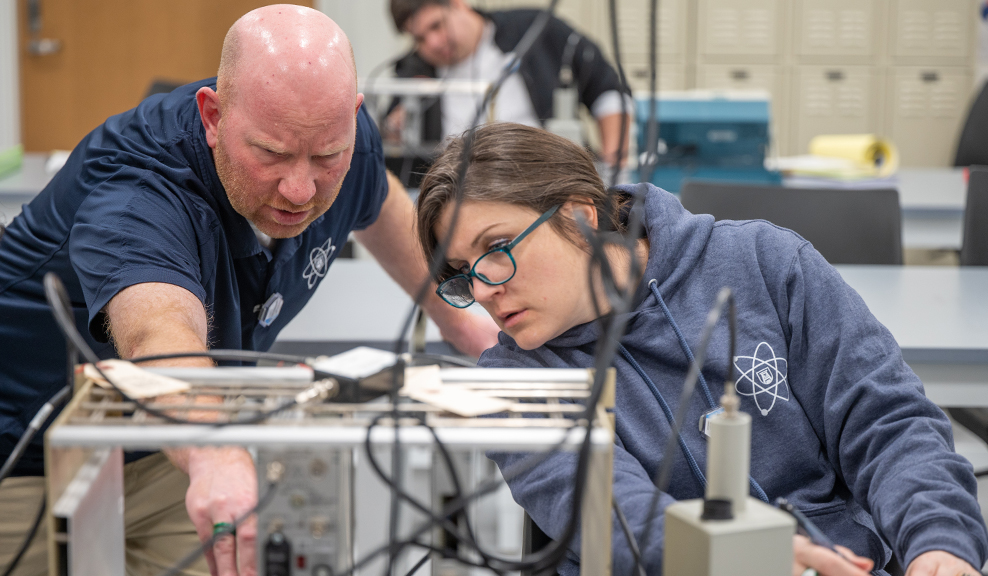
column 59, row 303
column 32, row 428
column 629, row 538
column 724, row 298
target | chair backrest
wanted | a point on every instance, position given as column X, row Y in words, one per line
column 972, row 147
column 846, row 226
column 974, row 247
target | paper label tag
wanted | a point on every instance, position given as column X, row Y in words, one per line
column 424, row 384
column 705, row 420
column 360, row 362
column 134, row 381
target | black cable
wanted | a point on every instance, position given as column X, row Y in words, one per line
column 521, row 50
column 629, row 536
column 30, row 536
column 520, row 467
column 191, row 557
column 33, row 426
column 664, row 475
column 223, row 354
column 58, row 301
column 650, row 157
column 615, row 39
column 443, row 520
column 554, row 553
column 419, row 564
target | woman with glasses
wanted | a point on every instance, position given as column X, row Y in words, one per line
column 840, row 425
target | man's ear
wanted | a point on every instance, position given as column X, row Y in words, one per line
column 360, row 100
column 580, row 210
column 208, row 102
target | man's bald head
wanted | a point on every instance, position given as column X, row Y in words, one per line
column 290, row 45
column 282, row 121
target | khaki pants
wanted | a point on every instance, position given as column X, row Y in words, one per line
column 158, row 530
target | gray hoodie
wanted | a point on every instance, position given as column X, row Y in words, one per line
column 840, row 424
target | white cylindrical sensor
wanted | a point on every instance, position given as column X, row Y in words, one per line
column 729, row 458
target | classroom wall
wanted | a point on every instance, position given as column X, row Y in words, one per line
column 367, row 23
column 370, row 28
column 10, row 116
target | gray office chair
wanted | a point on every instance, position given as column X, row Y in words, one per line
column 972, row 147
column 974, row 248
column 974, row 252
column 845, row 226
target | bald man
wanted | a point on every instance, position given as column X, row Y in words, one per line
column 204, row 218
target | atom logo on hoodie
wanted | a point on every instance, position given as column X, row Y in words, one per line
column 763, row 377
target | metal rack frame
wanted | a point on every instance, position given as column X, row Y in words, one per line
column 85, row 443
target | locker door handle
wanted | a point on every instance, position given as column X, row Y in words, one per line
column 739, row 74
column 39, row 46
column 930, row 77
column 834, row 75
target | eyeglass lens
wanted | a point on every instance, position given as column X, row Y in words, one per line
column 493, row 268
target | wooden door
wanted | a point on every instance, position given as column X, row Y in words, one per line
column 111, row 51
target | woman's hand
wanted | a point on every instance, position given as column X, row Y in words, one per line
column 807, row 555
column 940, row 563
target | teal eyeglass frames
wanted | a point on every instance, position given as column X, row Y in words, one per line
column 494, row 268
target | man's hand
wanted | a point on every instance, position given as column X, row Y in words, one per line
column 826, row 562
column 940, row 563
column 470, row 333
column 222, row 488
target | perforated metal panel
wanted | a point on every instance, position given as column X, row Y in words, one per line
column 834, row 100
column 741, row 27
column 928, row 105
column 837, row 28
column 932, row 28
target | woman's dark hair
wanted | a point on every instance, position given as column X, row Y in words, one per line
column 518, row 165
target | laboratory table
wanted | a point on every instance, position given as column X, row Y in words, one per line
column 939, row 316
column 21, row 186
column 932, row 201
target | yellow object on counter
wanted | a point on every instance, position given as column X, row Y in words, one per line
column 867, row 150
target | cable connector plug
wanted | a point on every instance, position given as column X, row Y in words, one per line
column 319, row 390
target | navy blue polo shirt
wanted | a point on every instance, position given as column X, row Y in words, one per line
column 139, row 201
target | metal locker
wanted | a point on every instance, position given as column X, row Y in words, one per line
column 834, row 100
column 742, row 28
column 671, row 76
column 838, row 28
column 933, row 31
column 927, row 108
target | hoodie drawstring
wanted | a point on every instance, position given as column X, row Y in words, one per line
column 694, row 467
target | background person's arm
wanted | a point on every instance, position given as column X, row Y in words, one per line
column 610, row 137
column 158, row 318
column 393, row 241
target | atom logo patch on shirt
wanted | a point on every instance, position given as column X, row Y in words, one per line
column 319, row 262
column 763, row 377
